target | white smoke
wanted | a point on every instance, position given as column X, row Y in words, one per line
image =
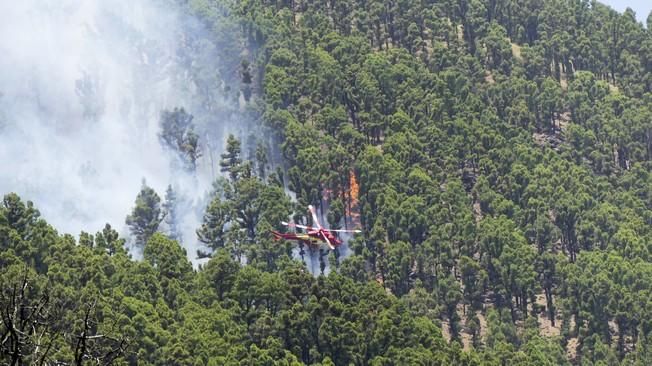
column 82, row 85
column 314, row 256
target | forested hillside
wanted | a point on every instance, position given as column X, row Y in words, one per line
column 497, row 156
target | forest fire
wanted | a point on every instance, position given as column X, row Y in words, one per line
column 350, row 199
column 352, row 207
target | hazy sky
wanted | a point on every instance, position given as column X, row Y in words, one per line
column 641, row 7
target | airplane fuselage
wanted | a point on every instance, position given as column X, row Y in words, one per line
column 312, row 237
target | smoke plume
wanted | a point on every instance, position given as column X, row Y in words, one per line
column 82, row 86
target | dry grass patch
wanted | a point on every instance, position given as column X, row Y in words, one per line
column 516, row 51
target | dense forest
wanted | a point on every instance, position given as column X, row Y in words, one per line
column 497, row 156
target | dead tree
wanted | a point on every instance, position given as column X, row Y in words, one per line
column 24, row 324
column 98, row 348
column 31, row 326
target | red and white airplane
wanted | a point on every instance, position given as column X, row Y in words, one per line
column 315, row 236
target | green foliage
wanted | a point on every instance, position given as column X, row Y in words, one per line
column 177, row 133
column 487, row 139
column 212, row 231
column 146, row 215
column 231, row 158
column 501, row 153
column 170, row 214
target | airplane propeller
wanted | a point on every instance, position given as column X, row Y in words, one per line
column 329, row 242
column 345, row 231
column 314, row 216
column 289, row 224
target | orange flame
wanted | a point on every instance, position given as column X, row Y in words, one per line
column 350, row 198
column 352, row 209
column 354, row 188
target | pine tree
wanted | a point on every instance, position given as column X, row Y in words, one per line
column 170, row 214
column 191, row 149
column 231, row 159
column 174, row 125
column 146, row 215
column 261, row 160
column 109, row 240
column 212, row 231
column 246, row 80
column 178, row 134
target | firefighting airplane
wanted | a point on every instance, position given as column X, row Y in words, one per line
column 315, row 236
